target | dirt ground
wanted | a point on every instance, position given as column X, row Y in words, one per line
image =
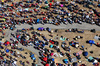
column 87, row 35
column 43, row 10
column 20, row 52
column 3, row 39
column 23, row 53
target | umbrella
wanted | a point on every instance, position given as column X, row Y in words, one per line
column 61, row 5
column 7, row 42
column 4, row 19
column 46, row 2
column 32, row 55
column 50, row 5
column 46, row 6
column 34, row 58
column 85, row 53
column 90, row 41
column 53, row 59
column 26, row 9
column 18, row 36
column 49, row 29
column 77, row 54
column 42, row 28
column 44, row 59
column 35, row 10
column 1, row 57
column 39, row 28
column 93, row 42
column 51, row 46
column 44, row 18
column 74, row 59
column 23, row 29
column 51, row 54
column 66, row 61
column 11, row 28
column 38, row 20
column 95, row 61
column 90, row 58
column 52, row 42
column 7, row 50
column 46, row 64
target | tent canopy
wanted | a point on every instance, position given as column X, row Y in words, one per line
column 26, row 9
column 38, row 20
column 51, row 54
column 51, row 46
column 46, row 2
column 7, row 50
column 53, row 59
column 91, row 42
column 18, row 36
column 85, row 53
column 66, row 61
column 7, row 42
column 34, row 58
column 44, row 59
column 90, row 57
column 61, row 5
column 50, row 4
column 32, row 55
column 47, row 64
column 40, row 28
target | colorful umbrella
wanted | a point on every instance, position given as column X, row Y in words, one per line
column 44, row 59
column 61, row 5
column 46, row 64
column 53, row 59
column 85, row 53
column 7, row 50
column 51, row 54
column 7, row 42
